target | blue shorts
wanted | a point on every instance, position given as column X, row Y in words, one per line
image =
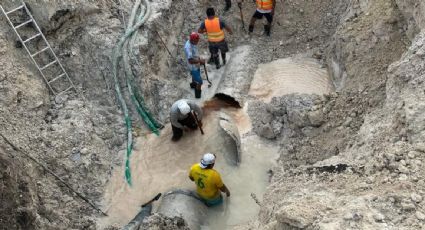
column 196, row 76
column 213, row 202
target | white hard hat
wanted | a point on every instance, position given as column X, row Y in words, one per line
column 183, row 107
column 207, row 159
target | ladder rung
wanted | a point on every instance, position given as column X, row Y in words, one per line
column 51, row 63
column 56, row 78
column 23, row 24
column 32, row 37
column 15, row 9
column 65, row 90
column 38, row 52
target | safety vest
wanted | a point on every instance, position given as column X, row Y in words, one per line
column 265, row 4
column 214, row 32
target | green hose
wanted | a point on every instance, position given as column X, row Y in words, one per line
column 121, row 51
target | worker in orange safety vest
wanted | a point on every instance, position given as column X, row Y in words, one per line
column 264, row 8
column 213, row 26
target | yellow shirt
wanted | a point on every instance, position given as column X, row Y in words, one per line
column 208, row 181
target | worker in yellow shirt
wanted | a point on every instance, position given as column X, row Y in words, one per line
column 208, row 181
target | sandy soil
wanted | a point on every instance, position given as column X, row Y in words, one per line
column 373, row 51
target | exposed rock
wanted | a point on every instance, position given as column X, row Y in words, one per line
column 295, row 217
column 316, row 118
column 420, row 215
column 416, row 197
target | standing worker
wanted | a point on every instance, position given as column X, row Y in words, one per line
column 208, row 181
column 184, row 115
column 194, row 62
column 214, row 26
column 264, row 8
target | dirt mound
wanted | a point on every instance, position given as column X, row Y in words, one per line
column 17, row 210
column 373, row 124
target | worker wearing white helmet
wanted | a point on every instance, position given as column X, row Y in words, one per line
column 182, row 116
column 208, row 181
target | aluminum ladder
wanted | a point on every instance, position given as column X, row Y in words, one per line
column 61, row 75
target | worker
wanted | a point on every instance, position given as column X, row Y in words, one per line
column 214, row 26
column 264, row 8
column 194, row 62
column 184, row 115
column 208, row 181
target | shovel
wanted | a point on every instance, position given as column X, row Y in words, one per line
column 240, row 10
column 206, row 74
column 197, row 121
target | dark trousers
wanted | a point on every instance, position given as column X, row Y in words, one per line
column 258, row 15
column 189, row 122
column 215, row 48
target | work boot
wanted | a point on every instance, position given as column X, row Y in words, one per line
column 251, row 28
column 228, row 5
column 267, row 29
column 198, row 91
column 217, row 62
column 211, row 60
column 175, row 138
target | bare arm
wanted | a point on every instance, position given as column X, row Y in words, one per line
column 202, row 28
column 197, row 110
column 225, row 190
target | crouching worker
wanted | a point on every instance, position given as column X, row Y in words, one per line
column 208, row 181
column 184, row 115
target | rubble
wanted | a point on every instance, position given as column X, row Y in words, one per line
column 351, row 159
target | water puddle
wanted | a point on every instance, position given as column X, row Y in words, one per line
column 289, row 75
column 159, row 165
column 250, row 177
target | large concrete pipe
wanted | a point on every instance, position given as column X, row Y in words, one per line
column 144, row 212
column 231, row 139
column 185, row 204
column 238, row 74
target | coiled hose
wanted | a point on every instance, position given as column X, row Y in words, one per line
column 121, row 51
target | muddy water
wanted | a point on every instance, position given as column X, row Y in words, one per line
column 289, row 75
column 250, row 177
column 159, row 165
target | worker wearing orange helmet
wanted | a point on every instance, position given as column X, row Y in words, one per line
column 194, row 61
